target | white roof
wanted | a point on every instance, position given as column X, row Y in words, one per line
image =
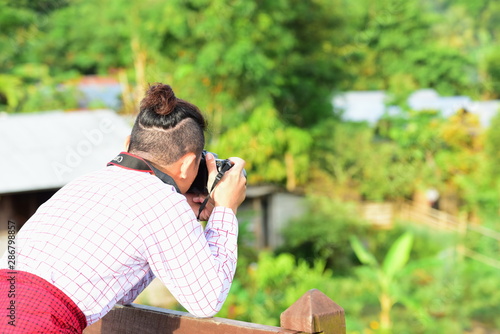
column 485, row 110
column 370, row 106
column 429, row 99
column 47, row 150
column 361, row 105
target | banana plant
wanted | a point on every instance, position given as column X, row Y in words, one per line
column 395, row 260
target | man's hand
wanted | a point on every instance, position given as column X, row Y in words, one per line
column 195, row 201
column 231, row 190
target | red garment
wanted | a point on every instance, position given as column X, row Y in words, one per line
column 34, row 305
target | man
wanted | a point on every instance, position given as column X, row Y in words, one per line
column 102, row 238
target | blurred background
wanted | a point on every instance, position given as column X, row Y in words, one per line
column 368, row 128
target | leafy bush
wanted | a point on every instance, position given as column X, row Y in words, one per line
column 323, row 233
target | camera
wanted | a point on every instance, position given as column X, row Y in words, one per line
column 199, row 185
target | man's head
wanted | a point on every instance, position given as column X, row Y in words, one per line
column 169, row 132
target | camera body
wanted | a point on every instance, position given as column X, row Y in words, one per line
column 199, row 185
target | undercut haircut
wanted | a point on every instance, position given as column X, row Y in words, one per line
column 167, row 127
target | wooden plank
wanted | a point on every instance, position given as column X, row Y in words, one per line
column 379, row 214
column 481, row 258
column 142, row 319
column 485, row 231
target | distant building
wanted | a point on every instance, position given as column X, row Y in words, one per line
column 44, row 151
column 266, row 212
column 361, row 106
column 104, row 91
column 370, row 106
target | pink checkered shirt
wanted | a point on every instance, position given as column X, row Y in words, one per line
column 102, row 238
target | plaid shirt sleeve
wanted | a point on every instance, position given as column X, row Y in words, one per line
column 137, row 289
column 196, row 265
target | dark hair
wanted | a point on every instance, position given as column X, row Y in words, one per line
column 167, row 127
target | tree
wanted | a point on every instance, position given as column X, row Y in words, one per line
column 275, row 152
column 16, row 28
column 393, row 49
column 225, row 54
column 349, row 161
column 469, row 27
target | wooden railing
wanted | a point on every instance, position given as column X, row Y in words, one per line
column 383, row 215
column 426, row 215
column 314, row 312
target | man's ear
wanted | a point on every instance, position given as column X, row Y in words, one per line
column 127, row 143
column 188, row 162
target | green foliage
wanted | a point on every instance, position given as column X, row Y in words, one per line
column 329, row 224
column 393, row 48
column 363, row 255
column 17, row 26
column 226, row 53
column 44, row 94
column 427, row 242
column 394, row 261
column 266, row 288
column 393, row 174
column 223, row 52
column 341, row 151
column 9, row 90
column 431, row 291
column 481, row 293
column 492, row 142
column 348, row 154
column 444, row 295
column 427, row 289
column 278, row 152
column 481, row 189
column 398, row 255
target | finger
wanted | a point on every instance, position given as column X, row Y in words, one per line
column 211, row 168
column 238, row 165
column 199, row 199
column 210, row 160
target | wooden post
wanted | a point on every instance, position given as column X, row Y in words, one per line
column 314, row 312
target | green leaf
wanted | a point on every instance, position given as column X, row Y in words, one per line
column 363, row 255
column 398, row 255
column 10, row 87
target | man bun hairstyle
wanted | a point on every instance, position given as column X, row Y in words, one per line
column 167, row 127
column 160, row 99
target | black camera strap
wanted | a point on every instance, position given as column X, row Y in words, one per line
column 219, row 176
column 130, row 161
column 133, row 162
